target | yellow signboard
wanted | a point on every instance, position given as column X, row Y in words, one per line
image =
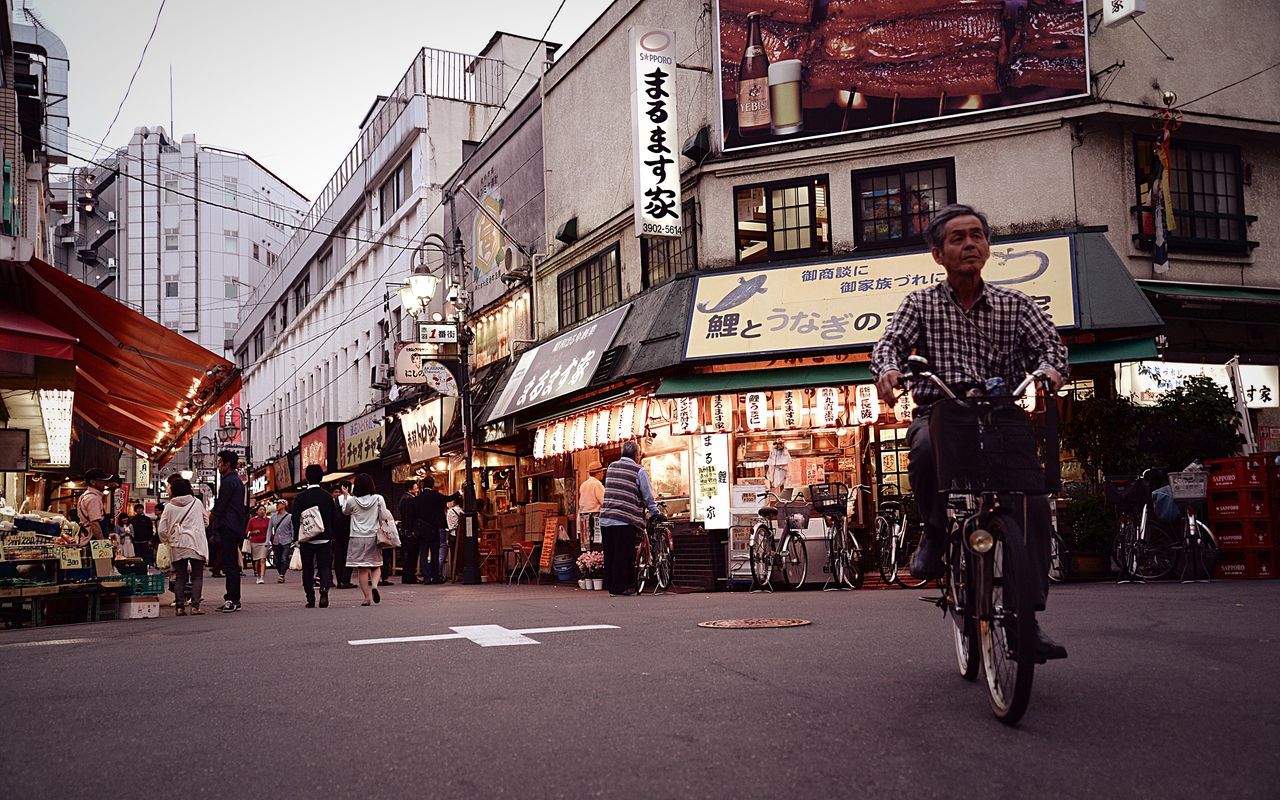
column 847, row 304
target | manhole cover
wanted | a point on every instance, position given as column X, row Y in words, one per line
column 754, row 622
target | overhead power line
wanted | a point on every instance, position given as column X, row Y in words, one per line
column 128, row 88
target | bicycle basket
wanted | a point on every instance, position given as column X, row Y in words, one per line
column 1191, row 485
column 829, row 498
column 979, row 450
column 1126, row 490
column 794, row 508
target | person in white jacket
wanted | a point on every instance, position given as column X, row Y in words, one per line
column 182, row 528
column 366, row 509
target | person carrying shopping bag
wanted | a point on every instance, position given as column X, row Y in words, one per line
column 280, row 537
column 182, row 530
column 368, row 512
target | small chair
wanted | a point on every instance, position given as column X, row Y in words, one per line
column 522, row 556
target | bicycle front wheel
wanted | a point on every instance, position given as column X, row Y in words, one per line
column 1154, row 555
column 1057, row 559
column 886, row 554
column 795, row 561
column 662, row 560
column 761, row 556
column 906, row 549
column 850, row 556
column 955, row 592
column 1007, row 630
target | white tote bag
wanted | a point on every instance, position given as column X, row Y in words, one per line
column 295, row 561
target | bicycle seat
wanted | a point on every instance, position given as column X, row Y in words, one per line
column 768, row 512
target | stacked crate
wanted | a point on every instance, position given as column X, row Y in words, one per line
column 1243, row 515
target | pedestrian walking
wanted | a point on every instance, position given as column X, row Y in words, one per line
column 182, row 528
column 144, row 535
column 317, row 551
column 280, row 536
column 410, row 541
column 259, row 528
column 366, row 509
column 431, row 508
column 229, row 520
column 341, row 538
column 627, row 493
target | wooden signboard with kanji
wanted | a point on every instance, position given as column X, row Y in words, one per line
column 549, row 532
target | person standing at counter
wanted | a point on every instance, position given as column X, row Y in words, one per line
column 91, row 506
column 431, row 508
column 590, row 500
column 627, row 493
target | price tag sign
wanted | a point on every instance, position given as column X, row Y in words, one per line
column 100, row 548
column 69, row 557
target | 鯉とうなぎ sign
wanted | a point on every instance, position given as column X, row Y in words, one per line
column 849, row 303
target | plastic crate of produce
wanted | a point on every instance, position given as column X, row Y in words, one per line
column 1240, row 472
column 1239, row 504
column 1240, row 534
column 143, row 584
column 1246, row 564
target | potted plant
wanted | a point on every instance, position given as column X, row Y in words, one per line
column 591, row 568
column 1089, row 526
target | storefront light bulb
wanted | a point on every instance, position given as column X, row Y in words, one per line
column 55, row 411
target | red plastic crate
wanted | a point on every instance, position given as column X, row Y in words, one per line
column 1240, row 472
column 1239, row 504
column 1240, row 534
column 1246, row 564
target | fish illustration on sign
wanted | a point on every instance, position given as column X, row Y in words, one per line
column 744, row 291
column 1009, row 255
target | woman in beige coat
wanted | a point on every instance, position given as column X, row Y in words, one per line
column 182, row 527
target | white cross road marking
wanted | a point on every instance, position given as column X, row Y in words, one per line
column 485, row 635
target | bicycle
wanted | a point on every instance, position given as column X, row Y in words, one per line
column 844, row 556
column 1197, row 545
column 1059, row 557
column 653, row 554
column 767, row 552
column 894, row 547
column 1143, row 549
column 983, row 444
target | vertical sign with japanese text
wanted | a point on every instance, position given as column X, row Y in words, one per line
column 826, row 407
column 757, row 411
column 656, row 143
column 722, row 412
column 711, row 480
column 866, row 406
column 684, row 417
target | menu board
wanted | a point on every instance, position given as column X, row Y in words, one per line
column 549, row 531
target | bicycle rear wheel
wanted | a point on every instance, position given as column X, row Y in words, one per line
column 906, row 549
column 760, row 555
column 955, row 593
column 795, row 560
column 644, row 564
column 1057, row 559
column 662, row 559
column 1008, row 633
column 886, row 553
column 1155, row 555
column 851, row 555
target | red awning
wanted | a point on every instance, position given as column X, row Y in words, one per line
column 23, row 333
column 136, row 380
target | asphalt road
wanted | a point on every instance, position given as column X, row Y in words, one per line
column 1170, row 691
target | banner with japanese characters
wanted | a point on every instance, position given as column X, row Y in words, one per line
column 655, row 138
column 360, row 440
column 848, row 303
column 711, row 480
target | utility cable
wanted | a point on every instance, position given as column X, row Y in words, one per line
column 127, row 89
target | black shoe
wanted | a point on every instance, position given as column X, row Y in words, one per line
column 228, row 607
column 311, row 604
column 927, row 564
column 1046, row 648
column 324, row 598
column 404, row 581
column 377, row 598
column 384, row 583
column 346, row 586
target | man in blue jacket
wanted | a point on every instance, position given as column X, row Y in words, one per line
column 228, row 522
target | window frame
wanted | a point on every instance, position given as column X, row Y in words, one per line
column 576, row 289
column 684, row 259
column 1176, row 242
column 900, row 170
column 772, row 256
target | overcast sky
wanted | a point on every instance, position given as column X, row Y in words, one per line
column 286, row 81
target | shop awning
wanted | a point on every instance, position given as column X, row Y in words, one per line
column 762, row 379
column 137, row 381
column 1109, row 299
column 1211, row 292
column 23, row 333
column 1112, row 352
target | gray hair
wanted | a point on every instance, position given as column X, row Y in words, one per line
column 630, row 449
column 937, row 225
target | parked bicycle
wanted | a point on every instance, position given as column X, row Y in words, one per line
column 653, row 554
column 1145, row 547
column 844, row 556
column 989, row 589
column 784, row 554
column 896, row 541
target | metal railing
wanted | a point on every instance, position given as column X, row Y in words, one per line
column 434, row 73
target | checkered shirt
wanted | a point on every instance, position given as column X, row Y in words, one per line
column 1004, row 334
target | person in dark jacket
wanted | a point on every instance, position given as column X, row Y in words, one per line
column 144, row 535
column 317, row 554
column 229, row 520
column 409, row 538
column 341, row 538
column 431, row 523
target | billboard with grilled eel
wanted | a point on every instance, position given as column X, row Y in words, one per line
column 797, row 69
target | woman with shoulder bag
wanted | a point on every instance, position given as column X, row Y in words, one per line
column 367, row 510
column 182, row 530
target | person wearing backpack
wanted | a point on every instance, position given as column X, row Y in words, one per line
column 182, row 528
column 314, row 520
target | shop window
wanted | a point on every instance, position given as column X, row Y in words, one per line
column 782, row 220
column 665, row 258
column 591, row 287
column 892, row 207
column 1206, row 182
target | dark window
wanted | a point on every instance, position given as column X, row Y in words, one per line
column 396, row 188
column 664, row 258
column 782, row 220
column 284, row 313
column 591, row 287
column 893, row 206
column 1207, row 187
column 259, row 344
column 302, row 294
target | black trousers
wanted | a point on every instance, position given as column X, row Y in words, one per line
column 316, row 557
column 340, row 568
column 229, row 546
column 432, row 568
column 409, row 544
column 282, row 554
column 619, row 556
column 1032, row 510
column 147, row 552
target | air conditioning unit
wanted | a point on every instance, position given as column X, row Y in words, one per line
column 381, row 378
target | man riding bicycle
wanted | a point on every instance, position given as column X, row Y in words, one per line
column 969, row 331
